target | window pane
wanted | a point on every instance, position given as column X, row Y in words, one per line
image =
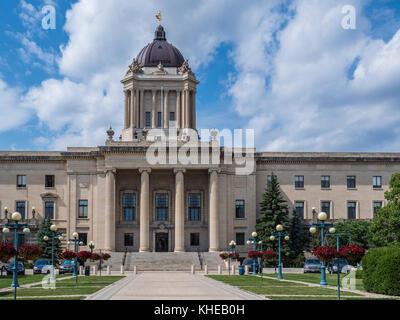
column 83, row 209
column 195, row 239
column 299, row 182
column 351, row 182
column 49, row 210
column 159, row 119
column 148, row 119
column 377, row 182
column 377, row 205
column 162, row 206
column 326, row 207
column 129, row 206
column 172, row 116
column 128, row 239
column 240, row 214
column 83, row 238
column 240, row 239
column 351, row 210
column 21, row 208
column 21, row 181
column 194, row 206
column 49, row 181
column 300, row 209
column 325, row 181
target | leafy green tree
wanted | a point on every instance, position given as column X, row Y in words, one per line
column 44, row 229
column 299, row 236
column 273, row 211
column 385, row 227
column 359, row 230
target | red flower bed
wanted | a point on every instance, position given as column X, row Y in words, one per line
column 29, row 252
column 224, row 255
column 352, row 253
column 83, row 255
column 105, row 256
column 95, row 256
column 325, row 253
column 234, row 256
column 68, row 255
column 269, row 254
column 6, row 251
column 254, row 254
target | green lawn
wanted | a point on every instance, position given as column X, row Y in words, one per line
column 324, row 298
column 251, row 281
column 316, row 278
column 295, row 291
column 66, row 287
column 48, row 298
column 6, row 281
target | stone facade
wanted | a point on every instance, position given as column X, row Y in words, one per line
column 112, row 195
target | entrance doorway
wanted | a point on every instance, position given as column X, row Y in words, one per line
column 161, row 242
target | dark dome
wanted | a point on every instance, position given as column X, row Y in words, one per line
column 160, row 51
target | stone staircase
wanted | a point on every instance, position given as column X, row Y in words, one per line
column 157, row 261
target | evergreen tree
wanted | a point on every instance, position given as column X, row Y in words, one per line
column 299, row 236
column 44, row 229
column 273, row 211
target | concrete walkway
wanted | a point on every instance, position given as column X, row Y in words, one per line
column 171, row 286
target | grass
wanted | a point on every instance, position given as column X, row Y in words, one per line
column 66, row 287
column 47, row 298
column 5, row 282
column 315, row 278
column 323, row 298
column 295, row 291
column 251, row 281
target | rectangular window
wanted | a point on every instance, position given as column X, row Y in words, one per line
column 351, row 182
column 162, row 206
column 128, row 239
column 129, row 206
column 240, row 238
column 21, row 208
column 239, row 204
column 325, row 181
column 148, row 120
column 326, row 207
column 377, row 182
column 299, row 181
column 21, row 181
column 49, row 181
column 377, row 205
column 83, row 209
column 300, row 209
column 159, row 119
column 49, row 210
column 194, row 206
column 195, row 239
column 83, row 238
column 351, row 210
column 172, row 116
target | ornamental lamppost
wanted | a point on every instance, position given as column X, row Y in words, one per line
column 77, row 243
column 279, row 235
column 231, row 249
column 16, row 216
column 337, row 235
column 322, row 216
column 52, row 235
column 254, row 240
column 91, row 247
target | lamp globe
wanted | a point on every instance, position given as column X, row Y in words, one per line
column 16, row 216
column 322, row 216
column 75, row 235
column 272, row 238
column 254, row 234
column 332, row 230
column 279, row 227
column 313, row 230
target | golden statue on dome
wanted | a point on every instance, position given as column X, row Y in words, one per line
column 159, row 16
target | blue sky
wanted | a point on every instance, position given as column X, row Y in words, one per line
column 285, row 68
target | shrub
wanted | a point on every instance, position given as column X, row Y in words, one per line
column 325, row 253
column 254, row 254
column 234, row 256
column 95, row 256
column 269, row 254
column 68, row 255
column 298, row 262
column 224, row 255
column 6, row 251
column 83, row 256
column 105, row 256
column 29, row 252
column 381, row 270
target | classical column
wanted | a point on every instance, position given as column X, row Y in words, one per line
column 183, row 109
column 141, row 109
column 193, row 110
column 213, row 224
column 127, row 120
column 109, row 235
column 132, row 124
column 144, row 210
column 166, row 113
column 153, row 110
column 137, row 107
column 178, row 109
column 179, row 210
column 187, row 109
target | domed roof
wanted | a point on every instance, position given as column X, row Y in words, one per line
column 160, row 51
